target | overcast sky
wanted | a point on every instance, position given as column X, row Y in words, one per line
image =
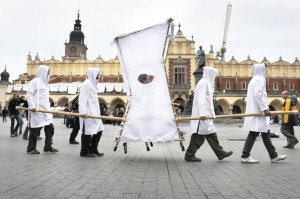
column 257, row 28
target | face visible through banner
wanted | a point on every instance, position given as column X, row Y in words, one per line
column 146, row 75
column 150, row 116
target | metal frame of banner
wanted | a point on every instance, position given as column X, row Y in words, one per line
column 117, row 140
column 180, row 134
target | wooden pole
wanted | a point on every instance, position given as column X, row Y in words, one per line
column 72, row 114
column 179, row 119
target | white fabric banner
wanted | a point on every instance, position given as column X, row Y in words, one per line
column 118, row 87
column 72, row 88
column 63, row 88
column 101, row 87
column 18, row 87
column 109, row 87
column 53, row 88
column 9, row 88
column 25, row 87
column 150, row 116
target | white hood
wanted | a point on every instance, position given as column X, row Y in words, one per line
column 210, row 73
column 92, row 76
column 259, row 70
column 42, row 74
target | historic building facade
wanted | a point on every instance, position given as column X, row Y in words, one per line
column 181, row 62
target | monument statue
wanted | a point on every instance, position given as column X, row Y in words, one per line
column 201, row 57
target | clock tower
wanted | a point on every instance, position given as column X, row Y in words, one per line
column 76, row 49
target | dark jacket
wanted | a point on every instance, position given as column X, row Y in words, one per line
column 12, row 106
column 4, row 112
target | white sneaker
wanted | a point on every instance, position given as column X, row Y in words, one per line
column 278, row 158
column 249, row 160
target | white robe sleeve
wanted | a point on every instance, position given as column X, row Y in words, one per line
column 30, row 94
column 201, row 100
column 259, row 95
column 83, row 97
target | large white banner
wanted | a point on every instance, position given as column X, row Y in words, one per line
column 150, row 116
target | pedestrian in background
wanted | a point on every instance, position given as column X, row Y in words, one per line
column 4, row 114
column 15, row 115
column 288, row 120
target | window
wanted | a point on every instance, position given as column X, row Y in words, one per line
column 275, row 86
column 227, row 85
column 292, row 86
column 22, row 81
column 179, row 75
column 244, row 85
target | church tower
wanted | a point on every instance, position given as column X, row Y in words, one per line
column 76, row 49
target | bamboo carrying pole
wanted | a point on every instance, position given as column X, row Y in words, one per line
column 72, row 114
column 179, row 119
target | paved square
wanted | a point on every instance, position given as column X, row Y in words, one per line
column 160, row 173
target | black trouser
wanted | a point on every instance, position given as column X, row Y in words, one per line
column 25, row 134
column 89, row 143
column 266, row 140
column 75, row 130
column 35, row 133
column 197, row 140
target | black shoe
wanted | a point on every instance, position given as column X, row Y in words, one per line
column 33, row 151
column 73, row 142
column 51, row 149
column 98, row 154
column 229, row 153
column 294, row 143
column 25, row 138
column 192, row 159
column 87, row 155
column 289, row 146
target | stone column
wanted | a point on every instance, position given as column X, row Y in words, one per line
column 227, row 120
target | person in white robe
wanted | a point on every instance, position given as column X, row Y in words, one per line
column 38, row 98
column 89, row 105
column 257, row 102
column 203, row 106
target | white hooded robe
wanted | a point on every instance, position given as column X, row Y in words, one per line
column 257, row 100
column 89, row 104
column 38, row 97
column 203, row 103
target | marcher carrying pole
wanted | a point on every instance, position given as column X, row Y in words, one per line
column 179, row 119
column 71, row 114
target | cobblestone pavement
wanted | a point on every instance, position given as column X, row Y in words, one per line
column 159, row 173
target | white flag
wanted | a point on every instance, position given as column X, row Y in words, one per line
column 150, row 115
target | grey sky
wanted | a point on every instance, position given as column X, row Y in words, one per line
column 257, row 28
